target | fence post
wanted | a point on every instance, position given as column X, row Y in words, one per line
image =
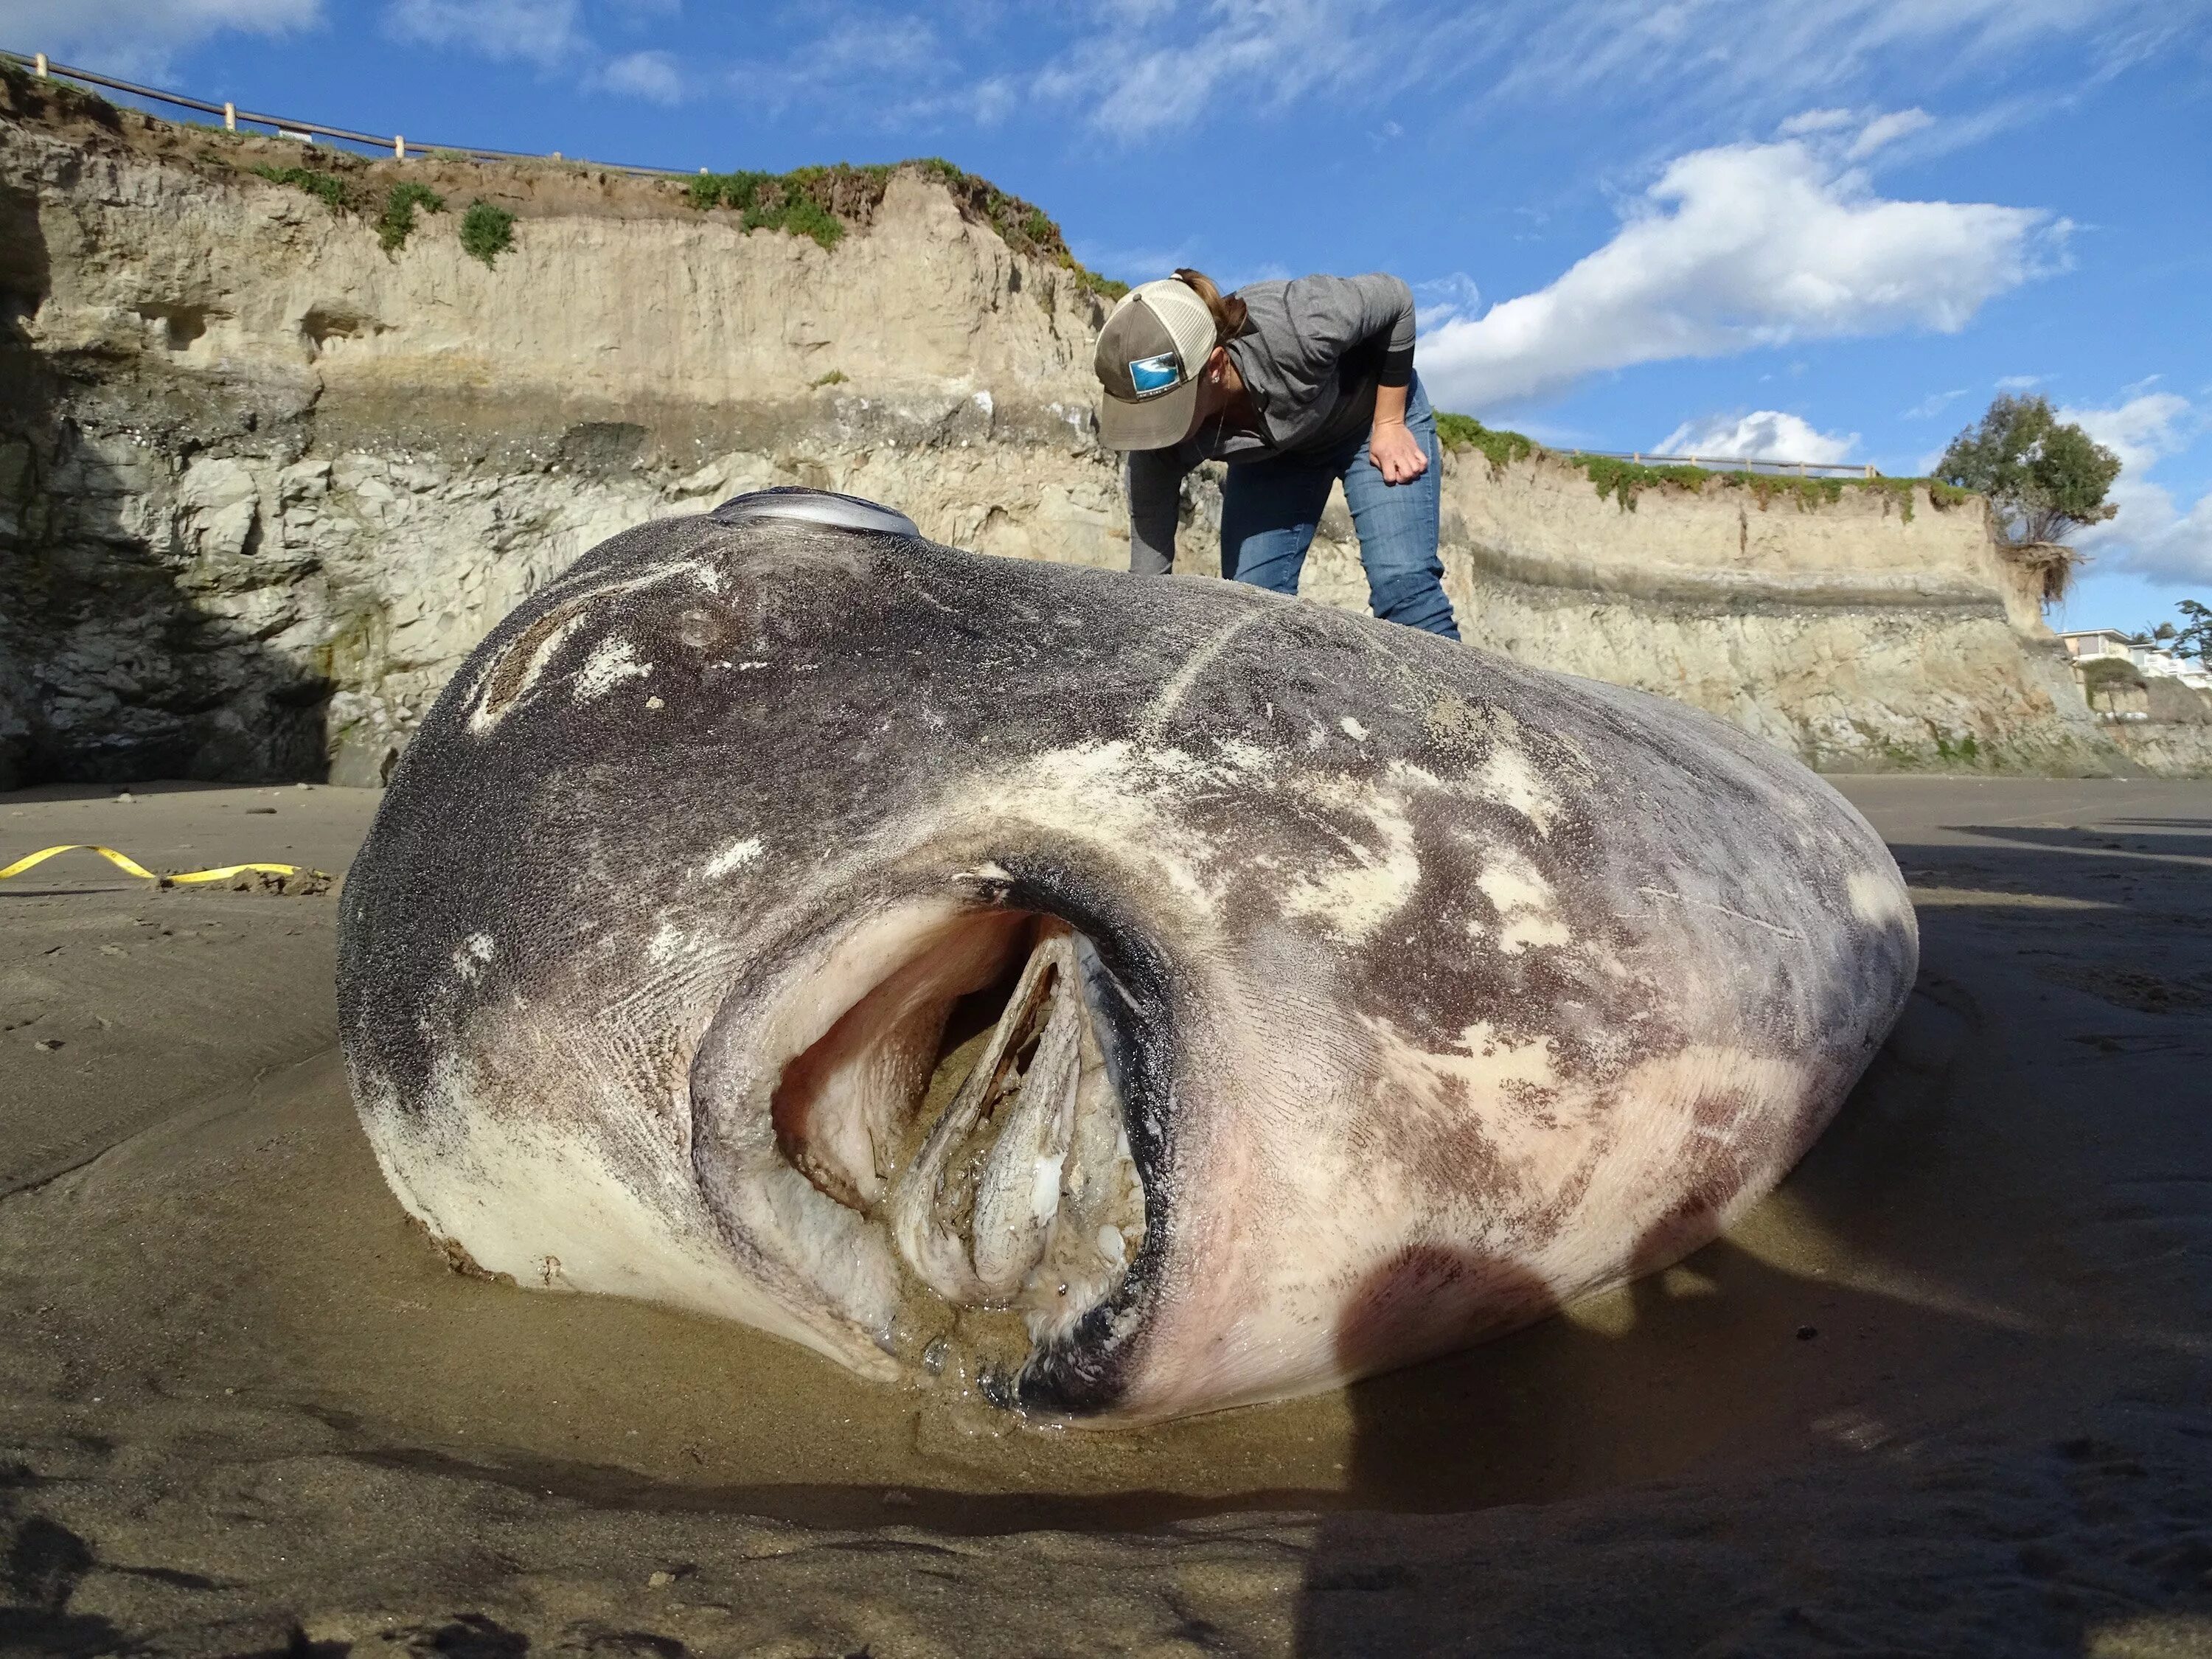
column 229, row 116
column 399, row 146
column 39, row 65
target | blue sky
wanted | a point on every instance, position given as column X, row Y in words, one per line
column 1829, row 229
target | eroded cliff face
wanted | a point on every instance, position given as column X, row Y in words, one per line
column 262, row 484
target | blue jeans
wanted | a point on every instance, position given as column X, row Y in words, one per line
column 1269, row 509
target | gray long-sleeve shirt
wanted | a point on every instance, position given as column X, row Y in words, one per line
column 1311, row 354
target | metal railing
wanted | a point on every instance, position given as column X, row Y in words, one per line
column 1743, row 464
column 394, row 144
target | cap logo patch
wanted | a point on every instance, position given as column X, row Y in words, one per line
column 1150, row 374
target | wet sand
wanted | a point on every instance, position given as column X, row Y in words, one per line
column 1945, row 1392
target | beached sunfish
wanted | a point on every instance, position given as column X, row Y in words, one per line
column 788, row 918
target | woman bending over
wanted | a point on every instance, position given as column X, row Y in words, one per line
column 1295, row 386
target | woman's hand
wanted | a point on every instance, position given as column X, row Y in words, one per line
column 1396, row 454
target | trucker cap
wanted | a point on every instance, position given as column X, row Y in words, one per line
column 1150, row 354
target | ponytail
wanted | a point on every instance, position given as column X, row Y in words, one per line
column 1229, row 312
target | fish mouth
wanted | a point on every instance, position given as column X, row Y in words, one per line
column 926, row 1127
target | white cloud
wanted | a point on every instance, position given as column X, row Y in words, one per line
column 1886, row 130
column 1738, row 246
column 1137, row 70
column 1751, row 55
column 137, row 39
column 881, row 69
column 1143, row 67
column 1933, row 405
column 1764, row 434
column 2018, row 382
column 540, row 32
column 649, row 74
column 1441, row 300
column 1265, row 53
column 2150, row 537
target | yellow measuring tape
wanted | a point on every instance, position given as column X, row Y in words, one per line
column 130, row 866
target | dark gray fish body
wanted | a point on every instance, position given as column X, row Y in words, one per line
column 1339, row 996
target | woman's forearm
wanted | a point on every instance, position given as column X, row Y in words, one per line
column 1155, row 494
column 1391, row 447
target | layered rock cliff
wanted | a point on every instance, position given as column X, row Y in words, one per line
column 264, row 480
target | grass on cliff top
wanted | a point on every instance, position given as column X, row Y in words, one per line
column 1624, row 480
column 823, row 202
column 1464, row 432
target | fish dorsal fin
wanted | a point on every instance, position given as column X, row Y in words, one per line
column 824, row 506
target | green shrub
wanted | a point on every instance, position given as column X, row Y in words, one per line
column 1808, row 493
column 731, row 190
column 788, row 202
column 1465, row 432
column 1625, row 480
column 835, row 377
column 396, row 222
column 486, row 232
column 1091, row 283
column 820, row 201
column 328, row 188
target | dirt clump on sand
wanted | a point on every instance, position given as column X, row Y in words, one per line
column 247, row 1405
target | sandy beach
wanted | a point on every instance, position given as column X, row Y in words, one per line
column 1945, row 1392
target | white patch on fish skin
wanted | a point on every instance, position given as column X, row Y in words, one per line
column 667, row 941
column 511, row 1192
column 735, row 856
column 1878, row 898
column 576, row 597
column 482, row 719
column 1169, row 696
column 1718, row 908
column 1487, row 1060
column 1353, row 729
column 471, row 955
column 1351, row 901
column 1522, row 899
column 1511, row 782
column 611, row 663
column 1244, row 756
column 1115, row 798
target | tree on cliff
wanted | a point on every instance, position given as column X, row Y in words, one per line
column 2194, row 639
column 2045, row 479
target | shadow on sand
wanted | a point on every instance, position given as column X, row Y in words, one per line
column 1941, row 1393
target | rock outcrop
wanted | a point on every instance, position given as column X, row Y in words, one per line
column 263, row 482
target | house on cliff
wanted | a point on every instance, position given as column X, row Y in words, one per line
column 2094, row 644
